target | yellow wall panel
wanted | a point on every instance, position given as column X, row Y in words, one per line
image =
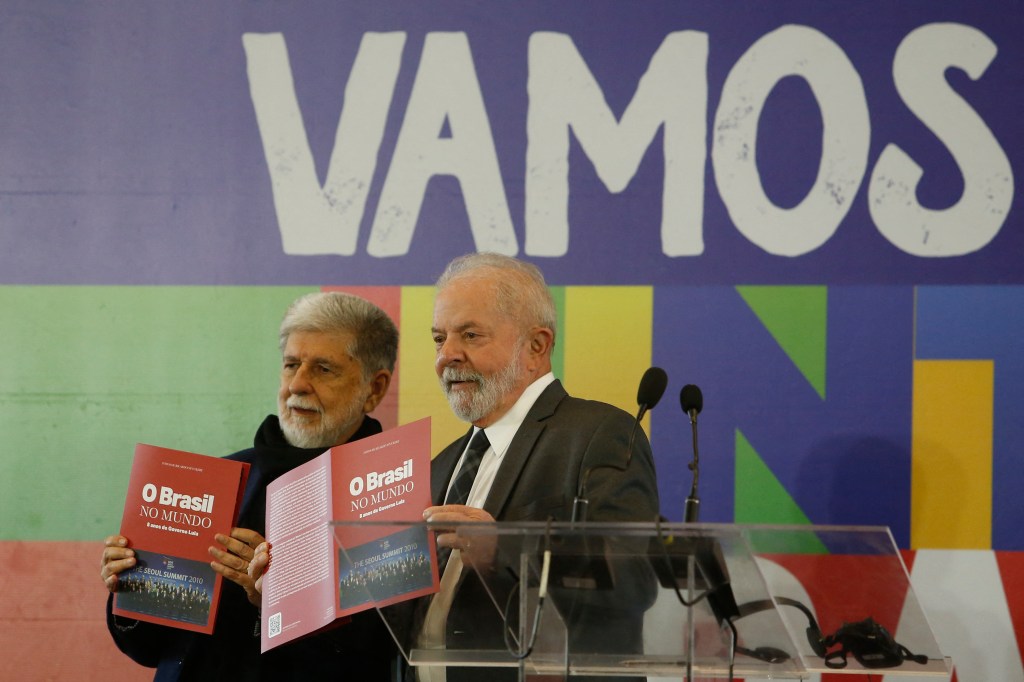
column 419, row 393
column 951, row 489
column 607, row 342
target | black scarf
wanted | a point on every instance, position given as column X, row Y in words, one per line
column 270, row 457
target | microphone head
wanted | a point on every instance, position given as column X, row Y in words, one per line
column 691, row 399
column 652, row 387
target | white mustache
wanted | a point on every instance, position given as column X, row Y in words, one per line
column 452, row 374
column 298, row 403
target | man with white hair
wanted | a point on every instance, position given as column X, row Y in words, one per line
column 338, row 353
column 529, row 447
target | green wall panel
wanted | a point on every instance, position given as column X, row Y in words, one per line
column 90, row 371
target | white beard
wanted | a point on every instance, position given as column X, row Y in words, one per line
column 323, row 433
column 489, row 390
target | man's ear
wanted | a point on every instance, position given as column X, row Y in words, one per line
column 542, row 340
column 378, row 385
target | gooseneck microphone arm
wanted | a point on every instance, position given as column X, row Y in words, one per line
column 692, row 501
column 652, row 387
column 692, row 402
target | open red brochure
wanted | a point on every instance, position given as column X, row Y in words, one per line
column 177, row 501
column 311, row 582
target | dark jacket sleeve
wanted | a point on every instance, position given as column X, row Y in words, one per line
column 145, row 643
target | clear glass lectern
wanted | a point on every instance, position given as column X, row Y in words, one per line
column 663, row 600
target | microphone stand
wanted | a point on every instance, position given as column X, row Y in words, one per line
column 692, row 401
column 691, row 509
column 580, row 503
column 652, row 386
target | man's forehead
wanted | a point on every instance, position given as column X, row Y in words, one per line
column 459, row 321
column 326, row 345
column 460, row 326
column 466, row 300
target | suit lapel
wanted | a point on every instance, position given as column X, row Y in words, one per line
column 521, row 447
column 443, row 466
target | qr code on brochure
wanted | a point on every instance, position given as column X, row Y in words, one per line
column 274, row 626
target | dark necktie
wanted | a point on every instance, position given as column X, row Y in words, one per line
column 458, row 493
column 463, row 483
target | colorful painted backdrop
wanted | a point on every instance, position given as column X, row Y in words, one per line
column 807, row 208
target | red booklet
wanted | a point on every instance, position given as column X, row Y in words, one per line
column 177, row 501
column 313, row 580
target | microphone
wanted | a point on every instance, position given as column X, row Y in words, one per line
column 692, row 401
column 652, row 387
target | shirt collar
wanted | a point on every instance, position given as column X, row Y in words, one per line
column 501, row 432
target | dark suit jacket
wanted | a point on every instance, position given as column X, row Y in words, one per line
column 559, row 441
column 362, row 647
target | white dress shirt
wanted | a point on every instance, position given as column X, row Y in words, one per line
column 500, row 435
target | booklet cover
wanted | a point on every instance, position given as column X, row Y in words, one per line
column 176, row 502
column 312, row 582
